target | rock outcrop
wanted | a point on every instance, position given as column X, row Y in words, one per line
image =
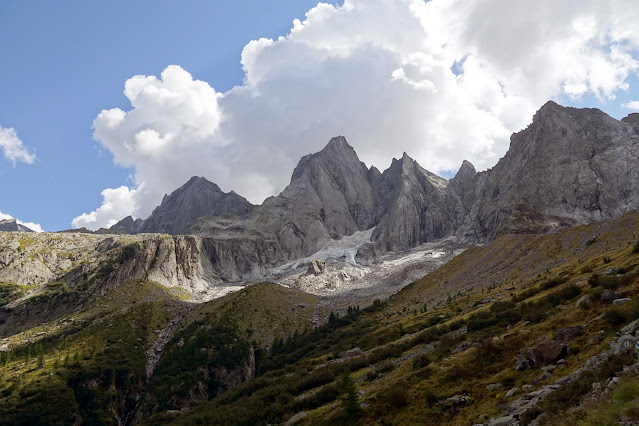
column 12, row 225
column 128, row 225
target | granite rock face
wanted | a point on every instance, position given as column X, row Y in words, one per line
column 578, row 164
column 11, row 225
column 128, row 225
column 329, row 197
column 414, row 206
column 196, row 198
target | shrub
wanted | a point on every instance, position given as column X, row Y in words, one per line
column 421, row 361
column 635, row 248
column 554, row 282
column 586, row 269
column 615, row 316
column 396, row 395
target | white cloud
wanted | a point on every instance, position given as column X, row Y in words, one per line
column 117, row 204
column 13, row 148
column 32, row 226
column 632, row 105
column 444, row 80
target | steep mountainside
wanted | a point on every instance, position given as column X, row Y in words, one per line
column 329, row 197
column 415, row 206
column 527, row 327
column 198, row 197
column 579, row 164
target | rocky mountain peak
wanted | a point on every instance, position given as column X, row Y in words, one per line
column 12, row 225
column 128, row 225
column 632, row 119
column 467, row 170
column 338, row 145
column 196, row 198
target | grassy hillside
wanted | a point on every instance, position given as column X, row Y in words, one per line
column 89, row 365
column 444, row 349
column 441, row 351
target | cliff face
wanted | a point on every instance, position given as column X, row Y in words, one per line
column 415, row 206
column 579, row 164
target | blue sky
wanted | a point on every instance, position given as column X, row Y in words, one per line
column 436, row 80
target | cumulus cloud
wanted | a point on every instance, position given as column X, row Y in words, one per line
column 632, row 105
column 13, row 148
column 117, row 204
column 32, row 226
column 444, row 80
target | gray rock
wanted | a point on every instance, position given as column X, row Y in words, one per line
column 568, row 334
column 550, row 153
column 127, row 226
column 526, row 359
column 317, row 267
column 296, row 418
column 196, row 198
column 12, row 225
column 350, row 353
column 584, row 300
column 625, row 344
column 454, row 404
column 414, row 206
column 609, row 296
column 493, row 386
column 621, row 301
column 631, row 328
column 512, row 392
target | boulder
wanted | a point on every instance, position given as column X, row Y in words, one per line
column 584, row 300
column 631, row 328
column 454, row 404
column 296, row 419
column 609, row 296
column 547, row 351
column 624, row 345
column 526, row 359
column 621, row 301
column 568, row 334
column 512, row 392
column 350, row 353
column 317, row 267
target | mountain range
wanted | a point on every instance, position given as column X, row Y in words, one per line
column 569, row 166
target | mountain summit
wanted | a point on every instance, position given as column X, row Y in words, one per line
column 12, row 225
column 196, row 198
